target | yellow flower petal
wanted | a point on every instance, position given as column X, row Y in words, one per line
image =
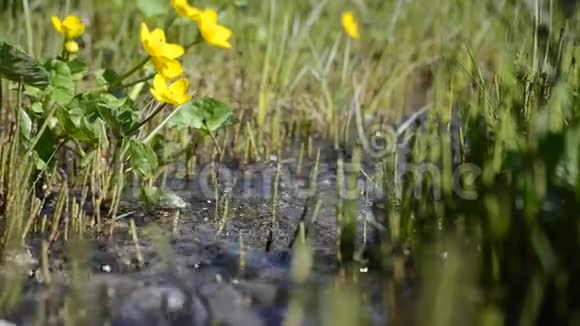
column 168, row 68
column 57, row 24
column 160, row 83
column 183, row 8
column 157, row 35
column 73, row 26
column 182, row 99
column 221, row 36
column 155, row 44
column 71, row 47
column 159, row 96
column 212, row 32
column 175, row 94
column 179, row 87
column 152, row 40
column 350, row 25
column 144, row 32
column 209, row 16
column 194, row 14
column 171, row 51
column 180, row 6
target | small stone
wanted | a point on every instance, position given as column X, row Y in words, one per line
column 105, row 268
column 172, row 201
column 6, row 323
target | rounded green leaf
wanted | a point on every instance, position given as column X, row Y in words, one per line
column 206, row 114
column 61, row 82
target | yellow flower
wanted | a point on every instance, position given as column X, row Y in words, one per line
column 155, row 45
column 350, row 25
column 71, row 27
column 71, row 47
column 175, row 93
column 183, row 8
column 212, row 32
column 168, row 68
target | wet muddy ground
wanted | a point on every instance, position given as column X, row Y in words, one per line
column 212, row 271
column 213, row 267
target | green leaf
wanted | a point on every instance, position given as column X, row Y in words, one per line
column 25, row 124
column 61, row 82
column 108, row 77
column 34, row 92
column 143, row 158
column 206, row 114
column 91, row 103
column 119, row 117
column 78, row 68
column 44, row 149
column 36, row 107
column 75, row 124
column 16, row 65
column 152, row 8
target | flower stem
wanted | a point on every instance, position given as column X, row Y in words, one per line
column 63, row 50
column 169, row 21
column 158, row 128
column 214, row 139
column 133, row 83
column 196, row 41
column 147, row 119
column 28, row 24
column 135, row 69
